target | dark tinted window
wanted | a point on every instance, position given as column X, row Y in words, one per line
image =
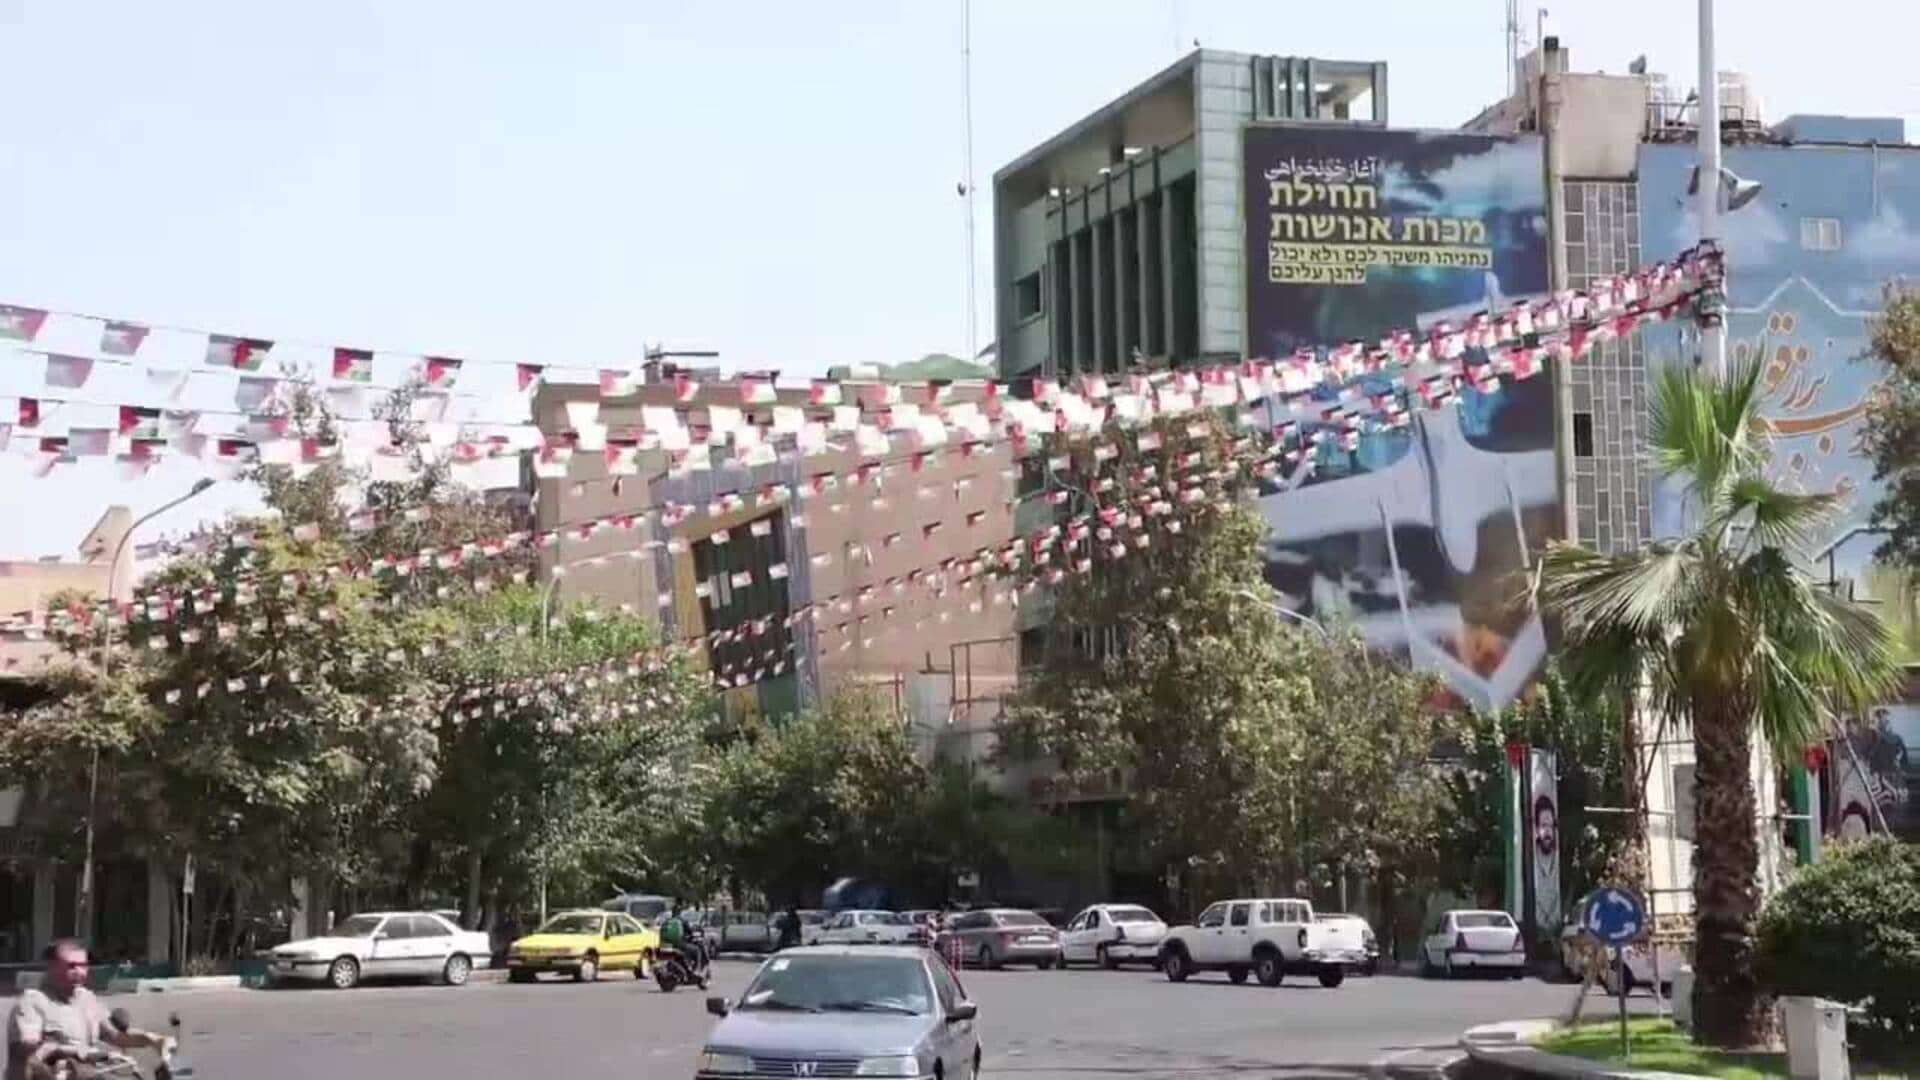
column 1239, row 915
column 1482, row 921
column 1021, row 918
column 876, row 984
column 426, row 926
column 398, row 927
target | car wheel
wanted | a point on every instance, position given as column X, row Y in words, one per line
column 457, row 969
column 1106, row 958
column 1047, row 964
column 1331, row 977
column 519, row 975
column 1236, row 975
column 344, row 973
column 1176, row 965
column 1268, row 969
column 984, row 959
column 589, row 969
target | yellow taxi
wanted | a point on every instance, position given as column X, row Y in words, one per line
column 584, row 944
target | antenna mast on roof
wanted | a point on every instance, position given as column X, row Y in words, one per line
column 1513, row 44
column 966, row 186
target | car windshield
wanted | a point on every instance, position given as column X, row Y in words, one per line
column 1021, row 918
column 357, row 925
column 1483, row 921
column 575, row 923
column 1131, row 914
column 884, row 984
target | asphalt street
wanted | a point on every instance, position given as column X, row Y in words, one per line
column 1074, row 1025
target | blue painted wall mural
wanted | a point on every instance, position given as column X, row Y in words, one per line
column 1807, row 263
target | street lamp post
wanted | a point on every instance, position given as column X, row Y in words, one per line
column 83, row 902
column 1713, row 330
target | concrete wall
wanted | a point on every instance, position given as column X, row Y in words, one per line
column 1224, row 104
column 1612, row 488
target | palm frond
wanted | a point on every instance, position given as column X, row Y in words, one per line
column 1776, row 517
column 1701, row 428
column 1640, row 592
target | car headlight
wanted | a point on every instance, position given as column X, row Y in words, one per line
column 898, row 1065
column 711, row 1062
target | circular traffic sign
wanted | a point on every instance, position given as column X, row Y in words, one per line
column 1613, row 915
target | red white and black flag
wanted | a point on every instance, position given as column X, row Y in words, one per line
column 20, row 323
column 238, row 353
column 121, row 338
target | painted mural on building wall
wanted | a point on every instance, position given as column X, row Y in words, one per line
column 1417, row 535
column 1807, row 261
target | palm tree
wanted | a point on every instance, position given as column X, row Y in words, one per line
column 1720, row 630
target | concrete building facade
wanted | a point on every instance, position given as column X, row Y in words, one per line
column 1121, row 239
column 881, row 559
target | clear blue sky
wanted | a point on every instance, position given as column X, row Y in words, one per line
column 569, row 180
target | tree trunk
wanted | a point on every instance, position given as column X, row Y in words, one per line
column 470, row 918
column 1728, row 1008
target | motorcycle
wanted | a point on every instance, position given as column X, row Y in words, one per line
column 113, row 1065
column 673, row 969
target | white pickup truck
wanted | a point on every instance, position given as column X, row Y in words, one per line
column 1269, row 939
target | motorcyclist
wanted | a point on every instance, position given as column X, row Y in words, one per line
column 62, row 1023
column 674, row 946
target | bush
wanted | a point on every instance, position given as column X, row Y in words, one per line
column 1848, row 929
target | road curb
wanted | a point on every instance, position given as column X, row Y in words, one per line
column 176, row 985
column 1508, row 1046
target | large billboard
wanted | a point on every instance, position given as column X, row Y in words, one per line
column 1418, row 534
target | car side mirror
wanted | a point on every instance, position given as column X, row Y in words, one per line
column 717, row 1005
column 965, row 1010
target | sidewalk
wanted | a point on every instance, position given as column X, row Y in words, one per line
column 1507, row 1047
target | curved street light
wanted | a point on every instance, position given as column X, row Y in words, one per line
column 83, row 902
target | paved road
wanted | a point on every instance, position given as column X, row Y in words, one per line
column 1073, row 1025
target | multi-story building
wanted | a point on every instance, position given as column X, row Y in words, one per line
column 1162, row 230
column 1818, row 223
column 878, row 554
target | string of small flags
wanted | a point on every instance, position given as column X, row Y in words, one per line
column 694, row 424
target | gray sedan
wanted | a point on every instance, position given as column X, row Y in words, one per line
column 828, row 1011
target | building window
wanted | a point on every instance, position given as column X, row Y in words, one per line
column 1582, row 434
column 1820, row 233
column 746, row 590
column 1027, row 297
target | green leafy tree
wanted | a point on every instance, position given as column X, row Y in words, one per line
column 1168, row 674
column 1891, row 435
column 1585, row 737
column 1729, row 638
column 1848, row 929
column 1371, row 800
column 794, row 805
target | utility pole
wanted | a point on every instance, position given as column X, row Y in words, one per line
column 966, row 106
column 83, row 897
column 1713, row 326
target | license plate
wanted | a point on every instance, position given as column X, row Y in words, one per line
column 1037, row 939
column 283, row 965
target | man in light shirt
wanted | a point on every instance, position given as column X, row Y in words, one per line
column 61, row 1022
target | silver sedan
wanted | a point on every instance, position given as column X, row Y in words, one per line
column 828, row 1010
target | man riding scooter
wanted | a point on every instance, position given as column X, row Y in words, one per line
column 61, row 1030
column 675, row 949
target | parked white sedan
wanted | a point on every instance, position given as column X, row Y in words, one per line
column 866, row 928
column 1113, row 934
column 1458, row 941
column 382, row 944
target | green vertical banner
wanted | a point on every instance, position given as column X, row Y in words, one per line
column 1806, row 828
column 1512, row 833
